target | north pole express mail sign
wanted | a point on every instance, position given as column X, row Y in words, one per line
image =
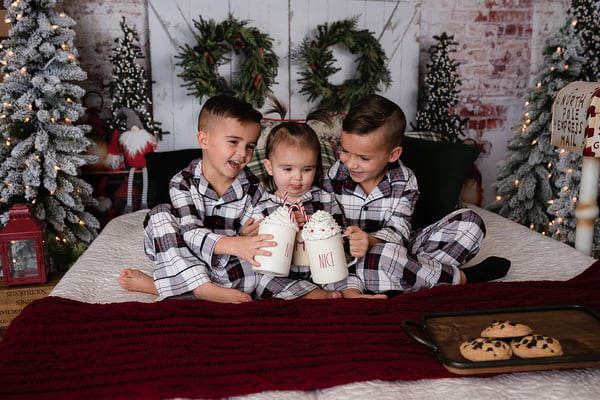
column 576, row 118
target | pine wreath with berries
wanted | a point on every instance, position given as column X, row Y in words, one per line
column 316, row 58
column 215, row 44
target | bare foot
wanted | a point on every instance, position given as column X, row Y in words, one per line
column 137, row 281
column 353, row 293
column 322, row 294
column 211, row 292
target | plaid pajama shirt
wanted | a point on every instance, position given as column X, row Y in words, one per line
column 298, row 283
column 406, row 261
column 180, row 238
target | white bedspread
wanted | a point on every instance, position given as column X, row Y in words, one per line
column 93, row 279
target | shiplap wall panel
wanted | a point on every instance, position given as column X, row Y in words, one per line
column 394, row 23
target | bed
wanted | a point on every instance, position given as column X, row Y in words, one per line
column 90, row 338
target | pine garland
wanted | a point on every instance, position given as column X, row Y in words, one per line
column 316, row 59
column 214, row 44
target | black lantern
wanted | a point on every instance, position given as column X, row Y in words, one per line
column 22, row 248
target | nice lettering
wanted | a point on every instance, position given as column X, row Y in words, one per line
column 326, row 260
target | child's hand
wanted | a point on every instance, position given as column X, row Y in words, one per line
column 358, row 240
column 300, row 220
column 247, row 247
column 250, row 228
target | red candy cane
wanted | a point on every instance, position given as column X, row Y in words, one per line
column 291, row 212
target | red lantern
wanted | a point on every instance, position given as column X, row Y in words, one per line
column 22, row 248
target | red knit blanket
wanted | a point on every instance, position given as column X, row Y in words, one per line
column 62, row 349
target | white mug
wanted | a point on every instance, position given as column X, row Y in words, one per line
column 327, row 259
column 280, row 260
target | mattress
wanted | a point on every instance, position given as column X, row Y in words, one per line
column 93, row 279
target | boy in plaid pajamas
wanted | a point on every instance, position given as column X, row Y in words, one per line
column 193, row 241
column 378, row 193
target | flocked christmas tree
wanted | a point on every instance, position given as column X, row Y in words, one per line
column 526, row 181
column 128, row 88
column 586, row 23
column 41, row 148
column 441, row 94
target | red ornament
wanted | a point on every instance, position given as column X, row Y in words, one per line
column 257, row 80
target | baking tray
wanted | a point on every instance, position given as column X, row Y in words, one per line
column 576, row 327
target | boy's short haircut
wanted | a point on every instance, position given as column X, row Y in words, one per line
column 226, row 106
column 298, row 134
column 371, row 113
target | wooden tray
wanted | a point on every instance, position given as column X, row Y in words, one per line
column 576, row 327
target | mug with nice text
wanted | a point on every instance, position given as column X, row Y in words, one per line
column 327, row 259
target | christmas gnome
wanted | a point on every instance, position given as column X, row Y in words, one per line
column 135, row 141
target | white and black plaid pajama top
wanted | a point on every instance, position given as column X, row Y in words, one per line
column 180, row 238
column 406, row 261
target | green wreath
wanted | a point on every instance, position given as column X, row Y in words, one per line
column 214, row 44
column 316, row 59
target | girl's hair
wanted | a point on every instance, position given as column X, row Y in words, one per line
column 293, row 134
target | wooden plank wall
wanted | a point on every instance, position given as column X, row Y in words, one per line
column 394, row 23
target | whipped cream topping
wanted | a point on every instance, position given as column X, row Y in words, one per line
column 281, row 216
column 322, row 225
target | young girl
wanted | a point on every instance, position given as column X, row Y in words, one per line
column 294, row 171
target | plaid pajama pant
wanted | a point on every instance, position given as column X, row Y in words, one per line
column 431, row 258
column 178, row 270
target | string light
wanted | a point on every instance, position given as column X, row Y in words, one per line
column 517, row 182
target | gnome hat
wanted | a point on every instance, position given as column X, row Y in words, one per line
column 135, row 141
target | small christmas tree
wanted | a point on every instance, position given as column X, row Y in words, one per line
column 41, row 148
column 128, row 88
column 440, row 94
column 526, row 181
